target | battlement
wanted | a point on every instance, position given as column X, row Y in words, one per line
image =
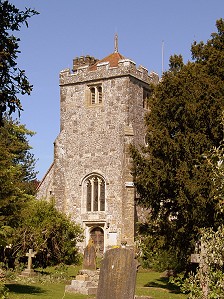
column 83, row 72
column 83, row 61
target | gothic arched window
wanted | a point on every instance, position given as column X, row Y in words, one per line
column 95, row 193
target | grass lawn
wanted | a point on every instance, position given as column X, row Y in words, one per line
column 52, row 285
column 156, row 285
column 46, row 291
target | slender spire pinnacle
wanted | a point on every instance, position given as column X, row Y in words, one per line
column 116, row 43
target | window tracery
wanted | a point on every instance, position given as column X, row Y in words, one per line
column 95, row 193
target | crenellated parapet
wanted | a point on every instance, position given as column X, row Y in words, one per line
column 83, row 72
column 83, row 61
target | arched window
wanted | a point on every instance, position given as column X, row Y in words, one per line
column 95, row 193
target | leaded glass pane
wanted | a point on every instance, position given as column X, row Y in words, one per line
column 102, row 196
column 95, row 198
column 88, row 201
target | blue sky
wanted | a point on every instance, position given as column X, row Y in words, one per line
column 69, row 28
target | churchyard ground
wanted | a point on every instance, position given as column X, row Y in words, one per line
column 51, row 284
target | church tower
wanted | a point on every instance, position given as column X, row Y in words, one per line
column 102, row 107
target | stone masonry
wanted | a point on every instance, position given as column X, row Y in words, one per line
column 102, row 112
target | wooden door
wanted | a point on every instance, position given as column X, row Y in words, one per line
column 97, row 236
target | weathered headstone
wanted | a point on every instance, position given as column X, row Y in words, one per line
column 86, row 280
column 29, row 271
column 199, row 258
column 30, row 255
column 89, row 259
column 117, row 275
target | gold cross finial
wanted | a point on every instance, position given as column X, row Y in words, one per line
column 116, row 43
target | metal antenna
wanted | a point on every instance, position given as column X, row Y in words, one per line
column 162, row 56
column 116, row 43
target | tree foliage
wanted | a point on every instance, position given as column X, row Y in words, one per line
column 48, row 232
column 17, row 175
column 213, row 262
column 25, row 222
column 172, row 174
column 16, row 161
column 13, row 80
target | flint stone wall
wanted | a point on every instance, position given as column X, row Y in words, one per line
column 96, row 139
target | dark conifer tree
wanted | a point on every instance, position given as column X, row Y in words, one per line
column 172, row 174
column 17, row 175
column 16, row 161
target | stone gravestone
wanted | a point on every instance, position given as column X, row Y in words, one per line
column 29, row 271
column 199, row 258
column 117, row 275
column 89, row 259
column 87, row 279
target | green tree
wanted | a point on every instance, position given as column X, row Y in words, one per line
column 13, row 80
column 46, row 230
column 15, row 159
column 17, row 173
column 172, row 174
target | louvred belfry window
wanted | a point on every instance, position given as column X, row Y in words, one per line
column 96, row 94
column 93, row 95
column 100, row 95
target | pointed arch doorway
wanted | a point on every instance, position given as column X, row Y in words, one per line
column 97, row 235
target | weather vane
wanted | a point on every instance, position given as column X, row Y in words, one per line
column 116, row 43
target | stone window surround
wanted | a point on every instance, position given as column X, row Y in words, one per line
column 146, row 94
column 95, row 94
column 94, row 193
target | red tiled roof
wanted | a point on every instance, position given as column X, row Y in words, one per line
column 112, row 59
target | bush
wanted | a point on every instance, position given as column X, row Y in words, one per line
column 3, row 292
column 213, row 261
column 48, row 232
column 154, row 255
